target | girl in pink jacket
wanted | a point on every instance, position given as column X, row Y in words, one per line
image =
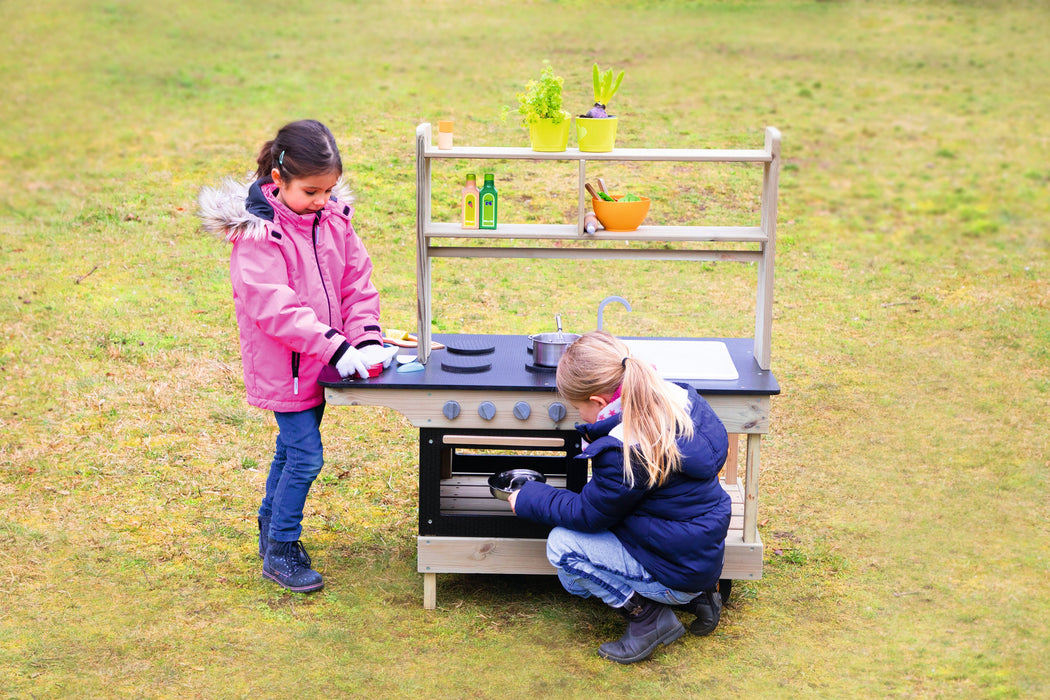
column 304, row 298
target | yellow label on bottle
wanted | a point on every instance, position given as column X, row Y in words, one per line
column 488, row 210
column 470, row 210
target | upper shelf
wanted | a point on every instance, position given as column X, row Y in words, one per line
column 618, row 154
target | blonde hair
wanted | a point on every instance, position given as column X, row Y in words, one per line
column 596, row 365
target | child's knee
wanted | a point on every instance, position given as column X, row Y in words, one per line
column 559, row 543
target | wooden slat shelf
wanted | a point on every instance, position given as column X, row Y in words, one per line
column 680, row 155
column 570, row 232
column 469, row 495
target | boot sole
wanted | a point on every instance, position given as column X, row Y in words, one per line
column 666, row 640
column 294, row 589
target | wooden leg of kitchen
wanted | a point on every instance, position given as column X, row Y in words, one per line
column 430, row 591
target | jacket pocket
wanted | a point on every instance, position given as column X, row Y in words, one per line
column 295, row 373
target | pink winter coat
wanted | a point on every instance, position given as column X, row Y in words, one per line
column 302, row 290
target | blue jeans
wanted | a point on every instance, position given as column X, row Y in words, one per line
column 297, row 461
column 597, row 564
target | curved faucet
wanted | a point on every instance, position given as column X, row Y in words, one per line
column 609, row 300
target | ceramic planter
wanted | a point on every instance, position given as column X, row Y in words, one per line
column 596, row 135
column 547, row 136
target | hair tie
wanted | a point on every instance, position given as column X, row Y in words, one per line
column 280, row 159
column 623, row 362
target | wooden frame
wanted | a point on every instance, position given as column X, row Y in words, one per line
column 743, row 415
column 429, row 232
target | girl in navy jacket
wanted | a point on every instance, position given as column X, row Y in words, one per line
column 648, row 532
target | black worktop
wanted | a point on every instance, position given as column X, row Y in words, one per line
column 448, row 369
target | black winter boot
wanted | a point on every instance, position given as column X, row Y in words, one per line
column 288, row 564
column 649, row 624
column 264, row 534
column 708, row 610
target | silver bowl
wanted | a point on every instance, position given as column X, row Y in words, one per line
column 503, row 484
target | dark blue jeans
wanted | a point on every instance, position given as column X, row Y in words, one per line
column 297, row 461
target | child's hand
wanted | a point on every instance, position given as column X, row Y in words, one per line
column 379, row 354
column 513, row 497
column 352, row 362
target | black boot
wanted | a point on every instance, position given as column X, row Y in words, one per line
column 288, row 564
column 649, row 624
column 708, row 610
column 264, row 534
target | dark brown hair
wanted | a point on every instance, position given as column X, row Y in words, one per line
column 300, row 149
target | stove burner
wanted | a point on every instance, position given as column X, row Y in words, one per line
column 539, row 369
column 470, row 345
column 448, row 365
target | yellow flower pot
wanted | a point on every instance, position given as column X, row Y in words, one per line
column 596, row 135
column 547, row 136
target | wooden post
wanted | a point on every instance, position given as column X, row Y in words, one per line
column 732, row 457
column 423, row 309
column 430, row 591
column 764, row 295
column 754, row 444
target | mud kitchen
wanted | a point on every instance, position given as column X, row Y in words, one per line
column 483, row 403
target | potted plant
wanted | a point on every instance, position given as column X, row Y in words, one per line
column 541, row 111
column 596, row 129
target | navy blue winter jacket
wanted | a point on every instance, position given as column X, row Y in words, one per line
column 677, row 531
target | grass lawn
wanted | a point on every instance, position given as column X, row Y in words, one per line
column 904, row 501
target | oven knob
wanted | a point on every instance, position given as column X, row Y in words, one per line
column 451, row 410
column 522, row 410
column 487, row 410
column 556, row 412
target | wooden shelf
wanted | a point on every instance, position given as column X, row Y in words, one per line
column 570, row 232
column 681, row 155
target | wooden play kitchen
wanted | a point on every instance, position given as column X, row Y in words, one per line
column 482, row 404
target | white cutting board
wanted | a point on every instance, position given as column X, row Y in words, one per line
column 687, row 359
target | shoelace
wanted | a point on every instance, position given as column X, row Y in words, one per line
column 299, row 552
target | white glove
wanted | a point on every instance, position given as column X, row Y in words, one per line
column 353, row 362
column 376, row 354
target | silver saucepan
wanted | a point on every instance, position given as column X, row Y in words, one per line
column 502, row 484
column 547, row 348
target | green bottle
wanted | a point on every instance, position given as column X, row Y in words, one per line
column 489, row 202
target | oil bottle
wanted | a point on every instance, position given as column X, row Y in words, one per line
column 470, row 202
column 489, row 202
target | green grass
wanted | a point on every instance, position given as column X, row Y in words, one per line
column 904, row 496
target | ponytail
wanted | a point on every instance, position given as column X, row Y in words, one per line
column 597, row 365
column 653, row 421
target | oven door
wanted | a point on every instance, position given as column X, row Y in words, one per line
column 454, row 467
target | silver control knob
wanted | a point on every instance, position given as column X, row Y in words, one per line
column 522, row 410
column 451, row 410
column 487, row 410
column 556, row 411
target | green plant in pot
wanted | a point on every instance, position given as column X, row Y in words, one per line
column 541, row 111
column 596, row 129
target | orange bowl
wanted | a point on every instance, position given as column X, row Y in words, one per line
column 620, row 216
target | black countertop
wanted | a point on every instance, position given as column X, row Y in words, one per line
column 509, row 362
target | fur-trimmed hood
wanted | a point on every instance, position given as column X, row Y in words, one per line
column 225, row 210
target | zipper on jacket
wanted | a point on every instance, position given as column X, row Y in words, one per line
column 295, row 373
column 320, row 272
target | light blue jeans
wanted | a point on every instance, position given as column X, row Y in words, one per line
column 597, row 564
column 297, row 460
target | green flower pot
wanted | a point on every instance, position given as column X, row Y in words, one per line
column 547, row 136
